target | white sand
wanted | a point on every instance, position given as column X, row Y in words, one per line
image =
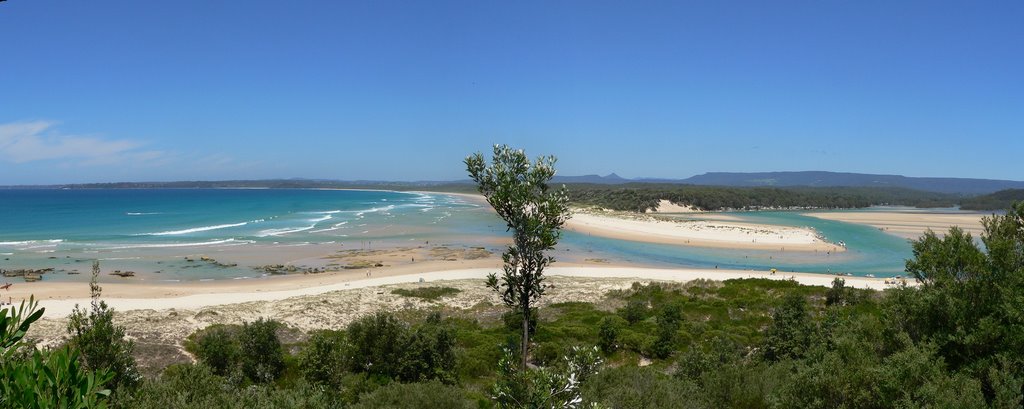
column 60, row 308
column 909, row 223
column 665, row 206
column 705, row 233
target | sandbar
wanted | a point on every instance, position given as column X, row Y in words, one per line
column 701, row 233
column 908, row 223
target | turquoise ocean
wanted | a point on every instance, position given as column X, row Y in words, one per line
column 153, row 230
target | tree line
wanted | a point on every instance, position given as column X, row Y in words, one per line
column 643, row 197
column 1000, row 200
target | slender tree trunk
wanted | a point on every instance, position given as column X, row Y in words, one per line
column 526, row 334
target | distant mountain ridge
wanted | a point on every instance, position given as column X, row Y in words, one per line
column 963, row 186
column 835, row 179
column 957, row 186
column 610, row 179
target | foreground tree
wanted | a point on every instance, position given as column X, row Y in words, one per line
column 44, row 379
column 969, row 304
column 103, row 344
column 518, row 191
column 556, row 387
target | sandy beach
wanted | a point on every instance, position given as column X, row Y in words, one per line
column 908, row 223
column 160, row 324
column 704, row 233
column 60, row 298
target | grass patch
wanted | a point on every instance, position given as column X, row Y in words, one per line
column 427, row 293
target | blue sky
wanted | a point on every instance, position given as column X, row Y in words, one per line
column 142, row 90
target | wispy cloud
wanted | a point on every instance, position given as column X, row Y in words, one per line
column 22, row 142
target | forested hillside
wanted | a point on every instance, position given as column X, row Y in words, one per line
column 1000, row 200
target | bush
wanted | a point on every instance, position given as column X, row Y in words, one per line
column 260, row 351
column 634, row 311
column 669, row 321
column 557, row 386
column 608, row 333
column 322, row 361
column 102, row 344
column 43, row 379
column 514, row 320
column 423, row 395
column 640, row 388
column 197, row 387
column 218, row 349
column 548, row 353
column 375, row 344
column 707, row 357
column 427, row 293
column 790, row 332
column 429, row 353
column 381, row 345
column 181, row 386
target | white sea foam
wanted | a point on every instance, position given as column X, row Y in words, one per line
column 279, row 232
column 195, row 229
column 320, row 219
column 32, row 242
column 374, row 210
column 162, row 245
column 142, row 213
column 14, row 243
column 325, row 212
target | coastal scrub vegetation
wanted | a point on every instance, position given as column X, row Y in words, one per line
column 426, row 293
column 102, row 345
column 52, row 378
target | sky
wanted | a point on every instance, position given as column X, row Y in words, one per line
column 97, row 91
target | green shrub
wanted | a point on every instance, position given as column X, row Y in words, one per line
column 634, row 311
column 197, row 387
column 429, row 353
column 790, row 332
column 423, row 395
column 260, row 351
column 514, row 320
column 548, row 353
column 427, row 293
column 640, row 388
column 383, row 346
column 43, row 379
column 608, row 333
column 322, row 361
column 218, row 348
column 669, row 321
column 102, row 343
